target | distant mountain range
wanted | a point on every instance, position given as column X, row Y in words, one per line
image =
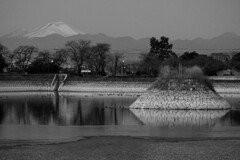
column 55, row 35
column 227, row 42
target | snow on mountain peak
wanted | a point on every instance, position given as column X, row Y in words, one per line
column 59, row 28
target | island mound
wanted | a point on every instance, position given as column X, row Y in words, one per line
column 181, row 93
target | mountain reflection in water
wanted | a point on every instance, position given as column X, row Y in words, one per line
column 52, row 109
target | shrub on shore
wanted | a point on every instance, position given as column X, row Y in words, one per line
column 195, row 72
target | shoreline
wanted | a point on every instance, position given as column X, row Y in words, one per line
column 27, row 142
column 94, row 93
column 67, row 134
column 101, row 86
column 128, row 148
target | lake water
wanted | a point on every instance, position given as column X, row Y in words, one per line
column 32, row 115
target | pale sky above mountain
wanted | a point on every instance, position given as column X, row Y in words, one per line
column 184, row 19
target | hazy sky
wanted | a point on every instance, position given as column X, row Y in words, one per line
column 137, row 18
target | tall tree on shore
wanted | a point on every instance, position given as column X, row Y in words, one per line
column 235, row 61
column 3, row 63
column 60, row 57
column 149, row 64
column 160, row 51
column 101, row 50
column 97, row 58
column 77, row 51
column 23, row 56
column 44, row 56
column 93, row 61
column 3, row 54
column 4, row 50
column 162, row 48
column 42, row 63
column 117, row 57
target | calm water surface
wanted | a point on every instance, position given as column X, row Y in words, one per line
column 53, row 109
column 27, row 112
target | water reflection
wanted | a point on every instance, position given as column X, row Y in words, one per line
column 232, row 118
column 52, row 109
column 65, row 110
column 179, row 118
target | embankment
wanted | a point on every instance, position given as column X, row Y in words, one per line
column 106, row 86
column 137, row 85
column 73, row 84
column 19, row 82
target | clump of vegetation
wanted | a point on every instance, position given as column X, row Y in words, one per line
column 161, row 54
column 193, row 72
column 160, row 51
column 196, row 72
column 180, row 75
column 168, row 71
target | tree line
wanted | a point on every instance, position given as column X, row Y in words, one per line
column 161, row 54
column 82, row 55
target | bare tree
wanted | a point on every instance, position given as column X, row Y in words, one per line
column 115, row 60
column 3, row 63
column 100, row 51
column 93, row 60
column 77, row 51
column 44, row 56
column 23, row 56
column 60, row 57
column 4, row 52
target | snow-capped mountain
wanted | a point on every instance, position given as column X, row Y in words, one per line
column 59, row 28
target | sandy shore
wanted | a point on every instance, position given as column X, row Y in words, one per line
column 127, row 148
